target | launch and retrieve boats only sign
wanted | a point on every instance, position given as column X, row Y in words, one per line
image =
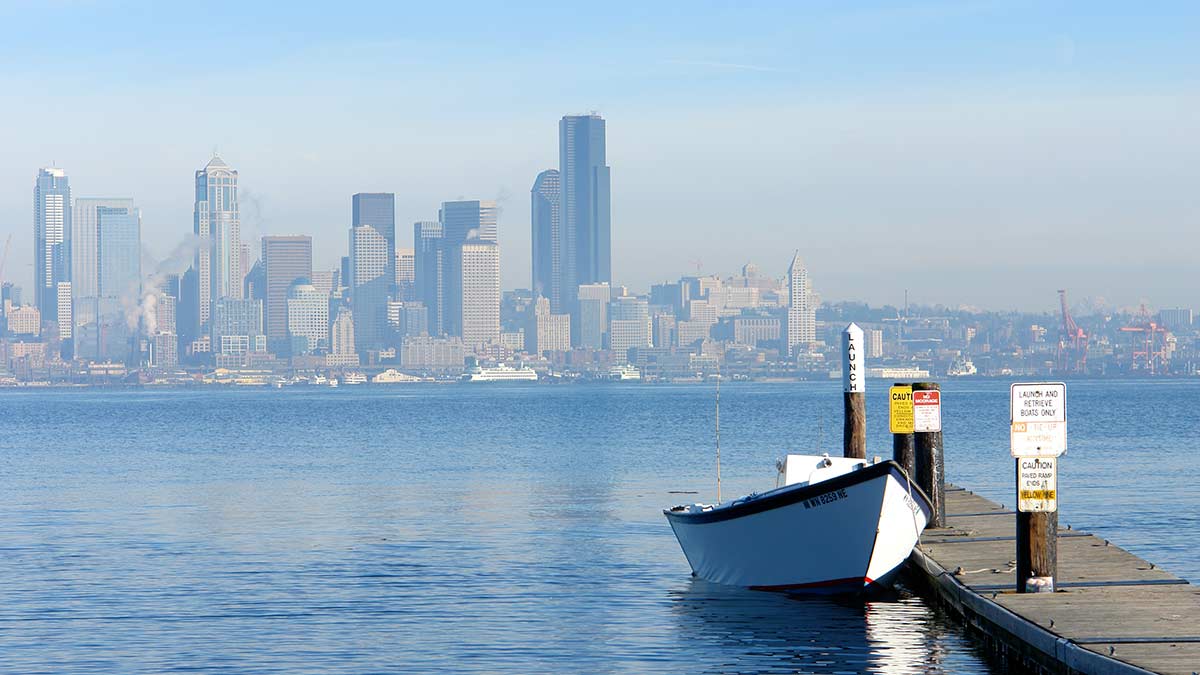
column 1038, row 415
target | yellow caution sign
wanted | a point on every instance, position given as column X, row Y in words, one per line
column 900, row 409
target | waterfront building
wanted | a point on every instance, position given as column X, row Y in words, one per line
column 584, row 202
column 801, row 313
column 164, row 350
column 513, row 340
column 237, row 326
column 371, row 261
column 628, row 325
column 286, row 261
column 51, row 238
column 547, row 332
column 217, row 223
column 406, row 274
column 750, row 331
column 480, row 296
column 307, row 319
column 342, row 350
column 25, row 321
column 441, row 354
column 590, row 319
column 429, row 262
column 874, row 342
column 546, row 218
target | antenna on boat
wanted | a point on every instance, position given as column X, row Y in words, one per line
column 718, row 430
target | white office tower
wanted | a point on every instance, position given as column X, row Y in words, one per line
column 802, row 314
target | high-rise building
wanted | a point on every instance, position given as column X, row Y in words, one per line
column 65, row 324
column 307, row 319
column 406, row 274
column 325, row 281
column 585, row 202
column 371, row 261
column 51, row 238
column 591, row 315
column 342, row 350
column 628, row 325
column 546, row 218
column 429, row 262
column 237, row 326
column 217, row 223
column 547, row 332
column 468, row 222
column 108, row 269
column 480, row 295
column 801, row 314
column 377, row 210
column 286, row 260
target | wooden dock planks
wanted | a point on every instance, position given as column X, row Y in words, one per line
column 1114, row 612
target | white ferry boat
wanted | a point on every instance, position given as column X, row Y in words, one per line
column 354, row 377
column 961, row 367
column 624, row 372
column 500, row 373
column 393, row 376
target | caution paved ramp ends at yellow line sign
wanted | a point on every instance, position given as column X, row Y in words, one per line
column 900, row 409
column 1037, row 484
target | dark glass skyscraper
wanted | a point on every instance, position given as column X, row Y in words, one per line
column 546, row 220
column 372, row 265
column 377, row 210
column 585, row 202
column 429, row 262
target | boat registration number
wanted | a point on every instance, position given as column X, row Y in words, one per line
column 827, row 498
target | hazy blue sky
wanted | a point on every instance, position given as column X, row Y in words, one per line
column 982, row 153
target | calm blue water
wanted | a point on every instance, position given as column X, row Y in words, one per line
column 489, row 529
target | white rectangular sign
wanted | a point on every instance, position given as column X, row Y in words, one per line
column 927, row 410
column 1038, row 419
column 1037, row 484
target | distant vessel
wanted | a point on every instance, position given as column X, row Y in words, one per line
column 962, row 366
column 354, row 377
column 500, row 373
column 393, row 376
column 624, row 372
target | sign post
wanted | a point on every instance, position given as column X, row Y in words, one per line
column 931, row 465
column 1038, row 436
column 854, row 396
column 900, row 423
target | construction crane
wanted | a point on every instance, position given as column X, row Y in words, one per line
column 1149, row 353
column 1072, row 342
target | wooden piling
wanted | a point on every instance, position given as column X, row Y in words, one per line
column 1037, row 547
column 854, row 396
column 930, row 471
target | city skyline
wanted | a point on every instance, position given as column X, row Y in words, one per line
column 930, row 134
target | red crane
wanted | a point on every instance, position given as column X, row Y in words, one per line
column 1150, row 346
column 1072, row 342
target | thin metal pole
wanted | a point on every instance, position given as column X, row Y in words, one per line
column 718, row 431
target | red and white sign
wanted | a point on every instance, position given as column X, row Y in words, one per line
column 927, row 411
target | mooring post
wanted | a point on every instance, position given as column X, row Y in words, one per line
column 930, row 465
column 1037, row 550
column 900, row 423
column 854, row 393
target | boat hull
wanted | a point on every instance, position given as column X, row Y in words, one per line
column 848, row 533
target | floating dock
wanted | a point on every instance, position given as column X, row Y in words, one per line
column 1112, row 613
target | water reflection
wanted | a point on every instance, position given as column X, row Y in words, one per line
column 761, row 632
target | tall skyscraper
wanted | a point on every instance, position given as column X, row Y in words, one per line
column 218, row 225
column 628, row 325
column 371, row 260
column 546, row 230
column 591, row 315
column 429, row 271
column 285, row 261
column 585, row 201
column 468, row 222
column 801, row 315
column 107, row 275
column 377, row 210
column 480, row 295
column 307, row 319
column 406, row 274
column 51, row 238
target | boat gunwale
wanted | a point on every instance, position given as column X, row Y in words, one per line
column 792, row 494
